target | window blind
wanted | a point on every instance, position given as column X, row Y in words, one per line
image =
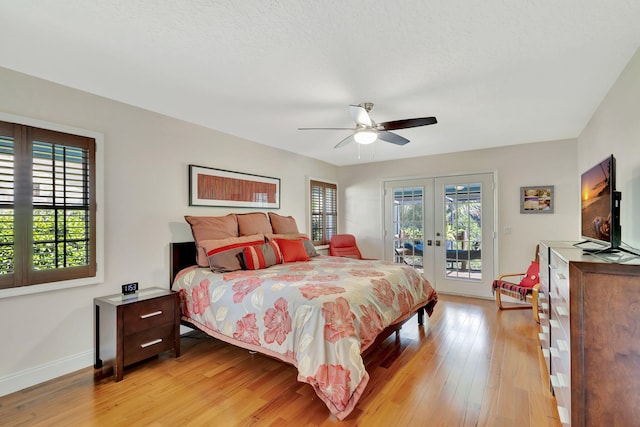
column 324, row 211
column 47, row 187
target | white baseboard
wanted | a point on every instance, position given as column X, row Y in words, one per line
column 48, row 371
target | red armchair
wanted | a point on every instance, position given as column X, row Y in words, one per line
column 344, row 245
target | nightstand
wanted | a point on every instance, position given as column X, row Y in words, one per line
column 130, row 329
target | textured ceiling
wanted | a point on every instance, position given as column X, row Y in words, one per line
column 494, row 72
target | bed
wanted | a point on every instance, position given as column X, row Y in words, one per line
column 260, row 284
column 320, row 315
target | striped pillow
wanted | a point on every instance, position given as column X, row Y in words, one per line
column 223, row 254
column 261, row 256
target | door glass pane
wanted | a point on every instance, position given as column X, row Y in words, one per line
column 463, row 213
column 408, row 208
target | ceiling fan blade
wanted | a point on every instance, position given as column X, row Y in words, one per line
column 347, row 140
column 393, row 138
column 325, row 129
column 360, row 115
column 407, row 123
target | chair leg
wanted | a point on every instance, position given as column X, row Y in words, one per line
column 498, row 299
column 512, row 306
column 534, row 303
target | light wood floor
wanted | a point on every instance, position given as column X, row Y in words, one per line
column 469, row 365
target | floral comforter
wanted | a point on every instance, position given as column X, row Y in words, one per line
column 318, row 315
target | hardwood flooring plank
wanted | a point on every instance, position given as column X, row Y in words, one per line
column 468, row 365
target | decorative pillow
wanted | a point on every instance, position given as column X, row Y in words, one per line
column 211, row 228
column 223, row 254
column 532, row 277
column 292, row 250
column 283, row 224
column 261, row 256
column 288, row 236
column 253, row 223
column 308, row 246
column 306, row 242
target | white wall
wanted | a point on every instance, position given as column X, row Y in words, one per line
column 543, row 163
column 615, row 129
column 146, row 197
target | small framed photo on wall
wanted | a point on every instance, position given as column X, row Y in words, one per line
column 537, row 199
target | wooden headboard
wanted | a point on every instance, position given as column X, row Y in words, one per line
column 181, row 255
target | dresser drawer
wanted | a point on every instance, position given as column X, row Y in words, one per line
column 559, row 277
column 560, row 312
column 543, row 257
column 147, row 343
column 149, row 314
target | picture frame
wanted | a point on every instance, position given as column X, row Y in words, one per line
column 537, row 199
column 223, row 188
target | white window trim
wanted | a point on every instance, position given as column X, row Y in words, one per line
column 99, row 277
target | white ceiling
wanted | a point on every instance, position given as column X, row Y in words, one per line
column 494, row 72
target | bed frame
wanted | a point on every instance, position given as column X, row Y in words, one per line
column 183, row 255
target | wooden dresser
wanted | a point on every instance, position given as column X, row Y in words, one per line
column 594, row 337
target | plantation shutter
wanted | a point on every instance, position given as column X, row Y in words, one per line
column 324, row 212
column 7, row 209
column 53, row 208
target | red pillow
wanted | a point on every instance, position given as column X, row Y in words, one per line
column 532, row 277
column 292, row 250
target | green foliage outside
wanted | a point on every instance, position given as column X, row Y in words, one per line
column 69, row 230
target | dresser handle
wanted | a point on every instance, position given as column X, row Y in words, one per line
column 155, row 313
column 563, row 346
column 150, row 343
column 563, row 413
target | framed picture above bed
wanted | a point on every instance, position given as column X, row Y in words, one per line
column 218, row 187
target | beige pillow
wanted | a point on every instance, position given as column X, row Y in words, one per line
column 211, row 228
column 223, row 255
column 253, row 223
column 283, row 224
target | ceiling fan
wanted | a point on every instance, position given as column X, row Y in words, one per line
column 367, row 131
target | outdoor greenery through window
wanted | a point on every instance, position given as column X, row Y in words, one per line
column 464, row 230
column 47, row 206
column 324, row 211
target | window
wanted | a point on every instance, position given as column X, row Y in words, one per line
column 324, row 211
column 47, row 206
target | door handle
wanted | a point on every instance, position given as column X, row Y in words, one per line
column 437, row 242
column 429, row 242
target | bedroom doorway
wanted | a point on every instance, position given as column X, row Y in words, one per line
column 444, row 227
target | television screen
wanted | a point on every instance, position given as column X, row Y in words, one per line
column 600, row 204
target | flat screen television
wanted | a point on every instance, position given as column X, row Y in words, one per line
column 600, row 206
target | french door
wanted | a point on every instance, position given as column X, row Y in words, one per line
column 443, row 227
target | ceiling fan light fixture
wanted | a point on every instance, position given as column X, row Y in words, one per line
column 365, row 136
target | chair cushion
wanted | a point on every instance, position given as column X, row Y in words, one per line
column 344, row 245
column 532, row 277
column 522, row 291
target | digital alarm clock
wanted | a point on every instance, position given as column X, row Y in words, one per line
column 130, row 290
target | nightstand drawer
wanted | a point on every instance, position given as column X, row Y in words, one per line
column 148, row 314
column 147, row 343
